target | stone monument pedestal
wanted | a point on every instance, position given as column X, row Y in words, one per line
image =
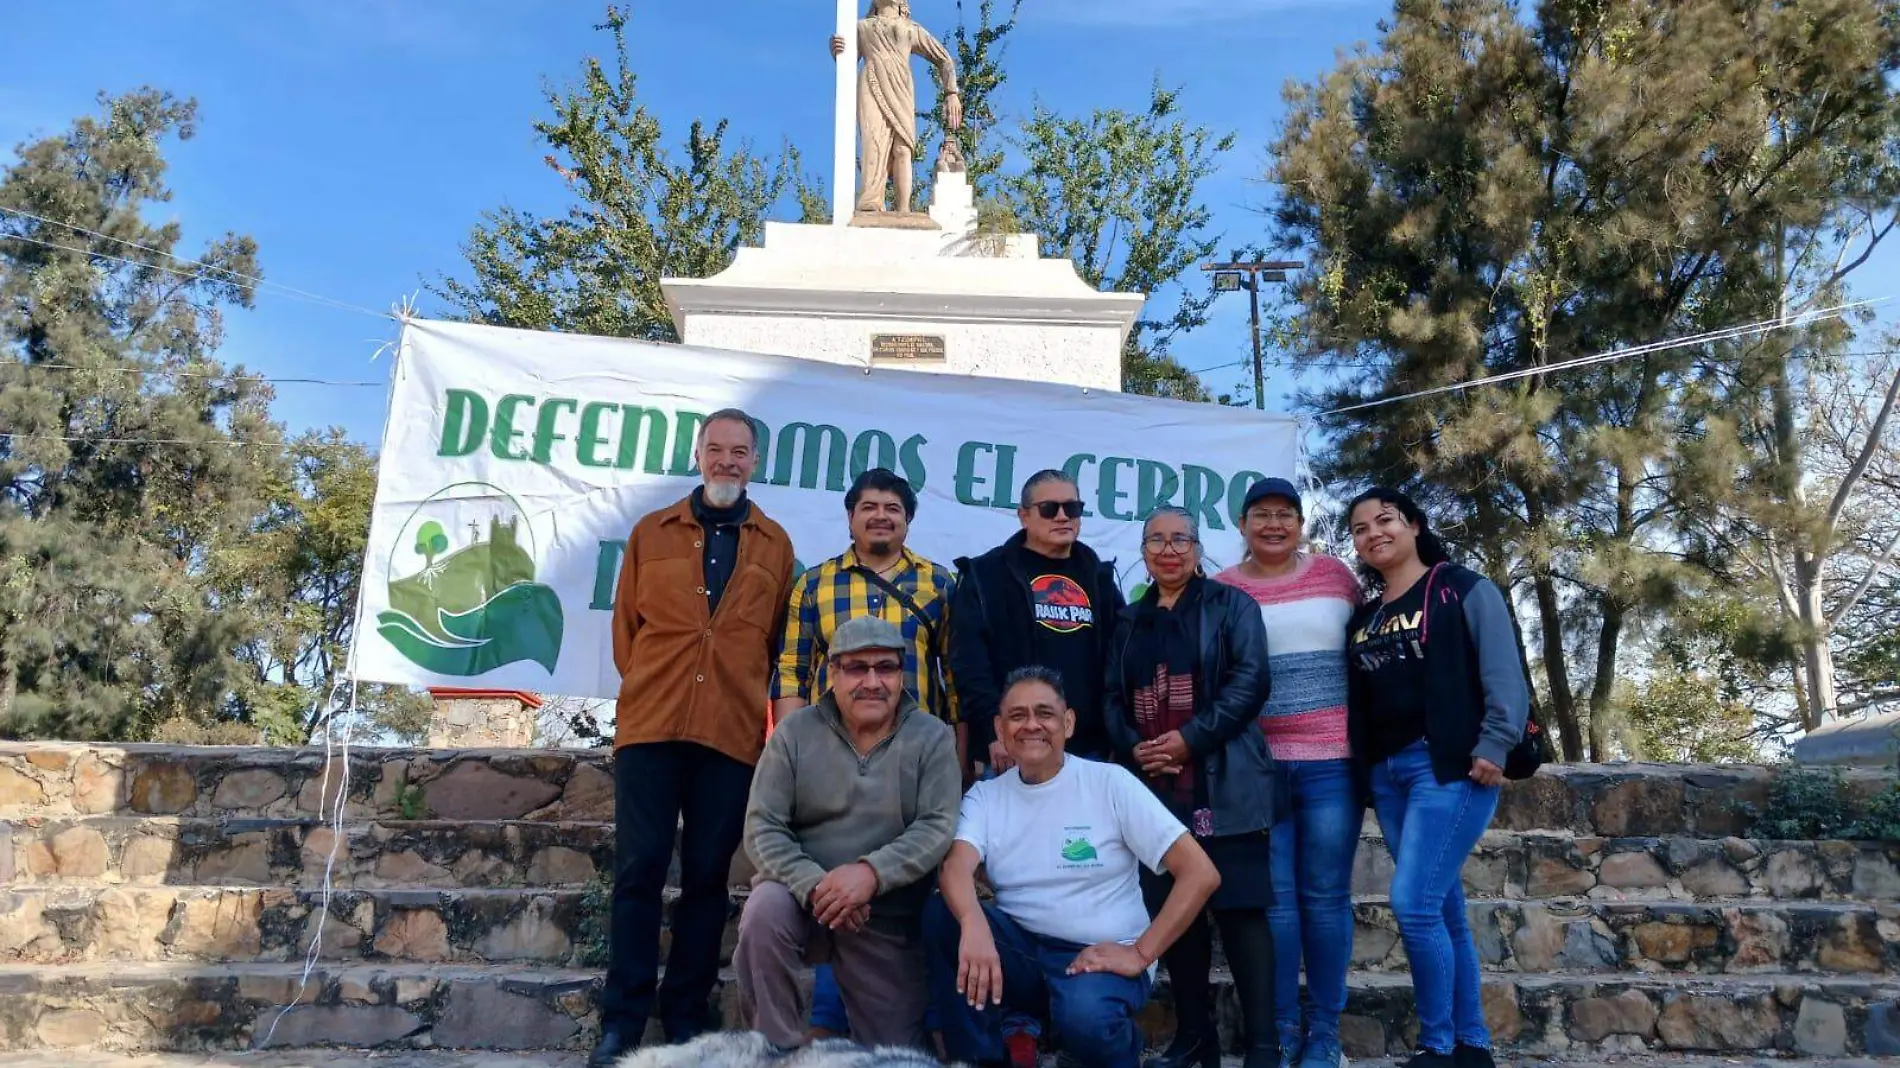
column 951, row 300
column 482, row 719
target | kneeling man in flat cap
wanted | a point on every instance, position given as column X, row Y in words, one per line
column 853, row 806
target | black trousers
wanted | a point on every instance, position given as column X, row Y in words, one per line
column 662, row 788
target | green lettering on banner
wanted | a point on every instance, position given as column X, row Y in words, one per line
column 1203, row 495
column 1155, row 485
column 822, row 443
column 1237, row 493
column 464, row 424
column 545, row 432
column 685, row 440
column 1073, row 469
column 502, row 435
column 638, row 424
column 589, row 437
column 1107, row 494
column 606, row 574
column 1005, row 478
column 967, row 480
column 911, row 455
column 862, row 458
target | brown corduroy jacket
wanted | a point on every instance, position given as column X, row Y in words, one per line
column 687, row 674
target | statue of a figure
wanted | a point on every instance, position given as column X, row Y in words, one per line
column 887, row 102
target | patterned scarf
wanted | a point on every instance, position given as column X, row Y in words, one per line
column 1163, row 655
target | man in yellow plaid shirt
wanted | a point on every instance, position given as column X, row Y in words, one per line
column 876, row 576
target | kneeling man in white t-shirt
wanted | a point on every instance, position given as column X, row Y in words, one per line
column 1067, row 938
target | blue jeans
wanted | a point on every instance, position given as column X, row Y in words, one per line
column 1093, row 1016
column 827, row 1005
column 1430, row 829
column 1313, row 847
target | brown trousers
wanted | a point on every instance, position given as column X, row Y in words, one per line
column 881, row 976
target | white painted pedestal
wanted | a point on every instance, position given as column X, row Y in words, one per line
column 823, row 293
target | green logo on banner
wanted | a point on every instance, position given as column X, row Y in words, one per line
column 466, row 609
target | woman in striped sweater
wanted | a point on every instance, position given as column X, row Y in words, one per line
column 1306, row 600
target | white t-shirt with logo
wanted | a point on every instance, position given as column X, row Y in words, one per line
column 1063, row 855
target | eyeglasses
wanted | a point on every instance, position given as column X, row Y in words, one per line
column 1048, row 509
column 857, row 669
column 1180, row 543
column 1281, row 517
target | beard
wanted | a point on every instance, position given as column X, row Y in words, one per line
column 723, row 494
column 881, row 546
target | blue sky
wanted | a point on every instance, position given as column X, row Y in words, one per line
column 359, row 140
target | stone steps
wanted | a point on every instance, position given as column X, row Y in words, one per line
column 396, row 854
column 48, row 925
column 570, row 785
column 143, row 1007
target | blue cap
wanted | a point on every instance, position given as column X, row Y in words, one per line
column 1272, row 487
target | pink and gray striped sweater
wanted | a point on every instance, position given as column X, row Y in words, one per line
column 1306, row 614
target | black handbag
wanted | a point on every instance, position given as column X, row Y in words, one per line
column 1528, row 754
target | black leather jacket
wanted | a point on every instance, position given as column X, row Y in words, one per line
column 1244, row 785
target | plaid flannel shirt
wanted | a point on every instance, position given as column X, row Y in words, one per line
column 832, row 592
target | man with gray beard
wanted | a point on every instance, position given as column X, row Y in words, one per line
column 697, row 613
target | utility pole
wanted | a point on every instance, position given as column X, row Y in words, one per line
column 1229, row 277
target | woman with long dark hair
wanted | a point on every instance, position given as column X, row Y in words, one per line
column 1436, row 700
column 1185, row 687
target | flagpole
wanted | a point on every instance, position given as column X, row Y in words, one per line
column 844, row 155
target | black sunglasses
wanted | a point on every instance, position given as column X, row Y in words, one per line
column 1048, row 509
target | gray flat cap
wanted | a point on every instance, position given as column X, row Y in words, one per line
column 866, row 632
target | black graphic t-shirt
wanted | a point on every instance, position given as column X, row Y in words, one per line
column 1384, row 652
column 1064, row 625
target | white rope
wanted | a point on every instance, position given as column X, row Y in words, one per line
column 350, row 669
column 328, row 886
column 1726, row 334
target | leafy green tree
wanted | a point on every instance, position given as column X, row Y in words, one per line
column 1684, row 718
column 297, row 578
column 1118, row 193
column 641, row 213
column 170, row 566
column 1491, row 189
column 979, row 53
column 118, row 479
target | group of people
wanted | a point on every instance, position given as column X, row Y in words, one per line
column 989, row 801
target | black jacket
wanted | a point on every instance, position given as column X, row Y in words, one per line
column 1478, row 697
column 991, row 635
column 1244, row 785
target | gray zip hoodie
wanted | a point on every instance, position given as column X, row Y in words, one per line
column 817, row 804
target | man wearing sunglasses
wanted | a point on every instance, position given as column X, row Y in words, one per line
column 853, row 807
column 1041, row 598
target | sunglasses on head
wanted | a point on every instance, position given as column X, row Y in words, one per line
column 1048, row 509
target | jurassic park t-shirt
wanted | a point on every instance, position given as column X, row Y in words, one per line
column 1064, row 627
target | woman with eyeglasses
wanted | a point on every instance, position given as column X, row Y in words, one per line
column 1186, row 685
column 1305, row 602
column 1437, row 700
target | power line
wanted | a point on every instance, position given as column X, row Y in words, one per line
column 213, row 444
column 244, row 281
column 166, row 372
column 1726, row 334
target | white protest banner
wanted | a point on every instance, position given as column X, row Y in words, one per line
column 515, row 464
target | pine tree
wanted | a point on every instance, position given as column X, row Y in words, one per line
column 118, row 479
column 1485, row 192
